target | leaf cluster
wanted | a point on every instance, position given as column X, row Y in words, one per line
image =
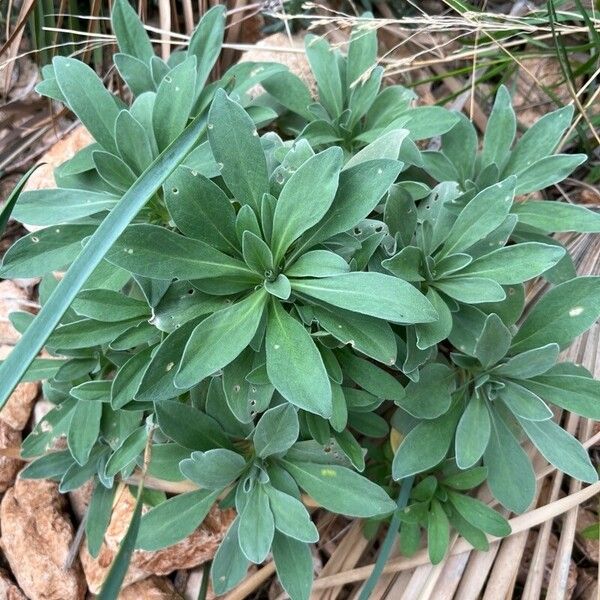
column 271, row 310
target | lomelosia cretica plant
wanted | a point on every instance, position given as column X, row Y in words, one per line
column 289, row 302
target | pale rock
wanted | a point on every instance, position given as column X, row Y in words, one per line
column 10, row 442
column 153, row 588
column 8, row 589
column 36, row 536
column 12, row 299
column 194, row 550
column 43, row 177
column 64, row 149
column 17, row 410
column 275, row 48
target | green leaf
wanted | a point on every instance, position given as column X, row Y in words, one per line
column 43, row 251
column 113, row 170
column 360, row 497
column 88, row 332
column 494, row 341
column 510, row 474
column 484, row 213
column 217, row 340
column 524, row 403
column 294, row 566
column 553, row 216
column 42, row 368
column 323, row 63
column 49, row 207
column 370, row 336
column 516, row 263
column 563, row 313
column 257, row 254
column 386, row 146
column 471, row 290
column 132, row 142
column 214, row 469
column 360, row 189
column 429, row 397
column 173, row 520
column 529, row 363
column 131, row 35
column 129, row 377
column 280, row 288
column 429, row 334
column 158, row 379
column 362, row 50
column 500, row 130
column 189, row 426
column 561, row 449
column 173, row 103
column 135, row 73
column 276, row 431
column 84, row 429
column 236, row 146
column 99, row 513
column 230, row 565
column 205, row 43
column 472, row 433
column 372, row 378
column 438, row 532
column 131, row 447
column 165, row 459
column 155, row 252
column 291, row 518
column 573, row 391
column 49, row 466
column 291, row 92
column 466, row 480
column 374, row 294
column 87, row 97
column 200, row 209
column 257, row 526
column 294, row 364
column 480, row 515
column 90, row 257
column 425, row 446
column 539, row 140
column 547, row 171
column 108, row 305
column 293, row 213
column 318, row 263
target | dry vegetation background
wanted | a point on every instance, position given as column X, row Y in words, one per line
column 453, row 54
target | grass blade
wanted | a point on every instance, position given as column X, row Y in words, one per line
column 9, row 205
column 98, row 245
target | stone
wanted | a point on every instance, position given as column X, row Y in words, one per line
column 36, row 536
column 194, row 550
column 64, row 149
column 153, row 588
column 12, row 299
column 17, row 410
column 8, row 589
column 10, row 442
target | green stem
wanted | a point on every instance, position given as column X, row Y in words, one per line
column 386, row 547
column 204, row 583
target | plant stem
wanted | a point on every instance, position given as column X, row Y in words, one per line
column 204, row 583
column 386, row 547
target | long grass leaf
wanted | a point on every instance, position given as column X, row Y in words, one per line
column 12, row 199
